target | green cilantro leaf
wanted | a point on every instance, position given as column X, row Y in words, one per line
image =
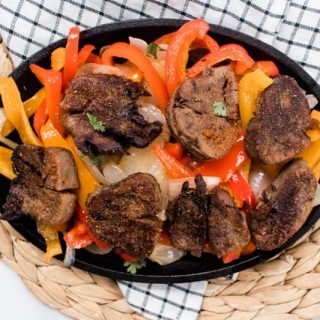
column 152, row 49
column 134, row 266
column 219, row 109
column 96, row 124
column 96, row 160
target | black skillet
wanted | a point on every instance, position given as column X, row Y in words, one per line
column 189, row 268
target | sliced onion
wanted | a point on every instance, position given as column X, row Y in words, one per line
column 312, row 100
column 163, row 254
column 316, row 200
column 258, row 180
column 161, row 54
column 70, row 256
column 95, row 68
column 93, row 248
column 175, row 185
column 151, row 113
column 112, row 172
column 9, row 143
column 138, row 43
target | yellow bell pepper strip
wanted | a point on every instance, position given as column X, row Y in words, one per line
column 52, row 81
column 250, row 87
column 14, row 110
column 311, row 154
column 58, row 57
column 71, row 60
column 137, row 57
column 51, row 138
column 30, row 106
column 178, row 49
column 6, row 163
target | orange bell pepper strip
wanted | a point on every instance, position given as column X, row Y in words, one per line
column 165, row 39
column 231, row 256
column 52, row 138
column 174, row 168
column 175, row 149
column 177, row 52
column 251, row 86
column 30, row 106
column 249, row 248
column 314, row 134
column 52, row 81
column 164, row 238
column 84, row 54
column 6, row 163
column 40, row 118
column 15, row 112
column 58, row 57
column 241, row 190
column 93, row 58
column 225, row 167
column 71, row 60
column 78, row 236
column 137, row 57
column 268, row 67
column 232, row 52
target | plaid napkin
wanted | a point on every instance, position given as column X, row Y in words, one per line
column 292, row 26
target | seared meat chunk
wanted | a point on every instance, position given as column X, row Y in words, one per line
column 278, row 130
column 43, row 186
column 52, row 168
column 87, row 140
column 194, row 116
column 187, row 221
column 112, row 100
column 227, row 225
column 125, row 214
column 45, row 205
column 284, row 207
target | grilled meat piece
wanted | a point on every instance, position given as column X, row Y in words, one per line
column 87, row 140
column 112, row 100
column 284, row 207
column 43, row 186
column 191, row 114
column 227, row 225
column 125, row 214
column 278, row 130
column 187, row 221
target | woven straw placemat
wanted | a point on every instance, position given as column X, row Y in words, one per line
column 286, row 288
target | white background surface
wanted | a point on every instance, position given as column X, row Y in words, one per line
column 17, row 303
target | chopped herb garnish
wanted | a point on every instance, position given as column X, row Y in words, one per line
column 152, row 49
column 219, row 109
column 96, row 124
column 134, row 266
column 96, row 160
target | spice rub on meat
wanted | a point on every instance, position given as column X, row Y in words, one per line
column 284, row 206
column 125, row 214
column 112, row 101
column 278, row 130
column 187, row 219
column 203, row 114
column 227, row 225
column 43, row 188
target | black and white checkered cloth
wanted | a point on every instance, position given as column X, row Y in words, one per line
column 292, row 26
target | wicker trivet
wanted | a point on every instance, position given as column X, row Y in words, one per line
column 286, row 288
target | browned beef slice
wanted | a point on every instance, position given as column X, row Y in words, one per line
column 87, row 140
column 187, row 218
column 125, row 214
column 278, row 130
column 112, row 100
column 284, row 207
column 227, row 225
column 52, row 168
column 191, row 116
column 45, row 205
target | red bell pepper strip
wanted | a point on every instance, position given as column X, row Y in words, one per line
column 52, row 81
column 177, row 53
column 71, row 60
column 268, row 67
column 137, row 57
column 126, row 257
column 78, row 236
column 40, row 118
column 241, row 190
column 174, row 168
column 84, row 54
column 175, row 149
column 231, row 256
column 232, row 52
column 226, row 166
column 93, row 58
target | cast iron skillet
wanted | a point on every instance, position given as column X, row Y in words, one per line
column 189, row 268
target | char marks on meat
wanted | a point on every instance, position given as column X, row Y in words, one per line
column 43, row 186
column 278, row 130
column 187, row 220
column 284, row 206
column 112, row 100
column 125, row 214
column 191, row 115
column 227, row 225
